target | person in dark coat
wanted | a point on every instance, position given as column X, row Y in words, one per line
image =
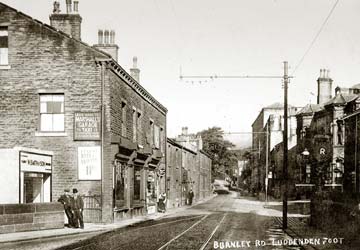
column 65, row 199
column 77, row 206
column 162, row 203
column 191, row 196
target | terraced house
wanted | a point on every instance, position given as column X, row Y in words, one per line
column 72, row 117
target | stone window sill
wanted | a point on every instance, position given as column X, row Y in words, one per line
column 5, row 67
column 51, row 134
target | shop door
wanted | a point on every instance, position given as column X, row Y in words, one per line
column 33, row 188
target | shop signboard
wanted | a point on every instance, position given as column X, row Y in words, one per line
column 32, row 162
column 89, row 163
column 87, row 126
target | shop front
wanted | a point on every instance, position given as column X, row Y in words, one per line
column 27, row 176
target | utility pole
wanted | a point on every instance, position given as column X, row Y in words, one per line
column 285, row 78
column 285, row 143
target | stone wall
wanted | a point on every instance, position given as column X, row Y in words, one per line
column 31, row 216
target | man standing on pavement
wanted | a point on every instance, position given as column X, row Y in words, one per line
column 77, row 205
column 191, row 196
column 65, row 199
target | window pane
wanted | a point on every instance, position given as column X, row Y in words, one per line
column 4, row 56
column 58, row 98
column 46, row 122
column 3, row 41
column 56, row 107
column 43, row 107
column 46, row 98
column 58, row 122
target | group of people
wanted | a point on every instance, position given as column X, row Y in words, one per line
column 162, row 200
column 73, row 206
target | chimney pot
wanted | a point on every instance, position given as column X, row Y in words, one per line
column 100, row 36
column 56, row 7
column 106, row 37
column 68, row 6
column 76, row 6
column 112, row 37
column 135, row 62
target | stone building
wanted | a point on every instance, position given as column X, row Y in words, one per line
column 321, row 134
column 76, row 118
column 267, row 132
column 188, row 166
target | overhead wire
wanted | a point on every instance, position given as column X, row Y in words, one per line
column 316, row 37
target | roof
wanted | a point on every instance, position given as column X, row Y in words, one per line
column 341, row 99
column 310, row 109
column 128, row 79
column 277, row 105
column 356, row 86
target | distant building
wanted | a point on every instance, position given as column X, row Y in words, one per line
column 267, row 132
column 188, row 167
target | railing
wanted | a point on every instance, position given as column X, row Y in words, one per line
column 92, row 208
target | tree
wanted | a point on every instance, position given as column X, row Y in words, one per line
column 220, row 150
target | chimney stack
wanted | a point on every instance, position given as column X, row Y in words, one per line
column 134, row 71
column 324, row 86
column 184, row 131
column 69, row 23
column 76, row 6
column 106, row 43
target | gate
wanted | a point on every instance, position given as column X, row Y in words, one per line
column 92, row 208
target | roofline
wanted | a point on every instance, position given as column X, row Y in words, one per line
column 357, row 112
column 174, row 143
column 126, row 77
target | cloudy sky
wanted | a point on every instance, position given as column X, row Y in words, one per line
column 229, row 37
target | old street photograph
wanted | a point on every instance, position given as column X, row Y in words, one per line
column 179, row 124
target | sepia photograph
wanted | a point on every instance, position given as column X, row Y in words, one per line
column 179, row 124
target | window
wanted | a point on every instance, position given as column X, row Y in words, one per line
column 119, row 185
column 134, row 123
column 52, row 113
column 162, row 140
column 123, row 119
column 151, row 137
column 137, row 182
column 157, row 136
column 4, row 46
column 139, row 129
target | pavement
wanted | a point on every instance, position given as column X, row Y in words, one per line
column 90, row 228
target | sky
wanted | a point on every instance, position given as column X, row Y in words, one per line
column 229, row 37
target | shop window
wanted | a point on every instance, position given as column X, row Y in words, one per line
column 120, row 185
column 137, row 183
column 52, row 116
column 4, row 46
column 123, row 119
column 150, row 188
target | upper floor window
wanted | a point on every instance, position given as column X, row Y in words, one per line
column 157, row 137
column 123, row 119
column 4, row 46
column 134, row 123
column 52, row 117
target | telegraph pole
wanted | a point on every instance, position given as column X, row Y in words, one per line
column 285, row 143
column 285, row 78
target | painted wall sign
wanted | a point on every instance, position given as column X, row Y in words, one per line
column 89, row 163
column 87, row 126
column 31, row 162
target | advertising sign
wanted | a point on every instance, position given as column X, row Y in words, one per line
column 31, row 162
column 87, row 126
column 89, row 163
